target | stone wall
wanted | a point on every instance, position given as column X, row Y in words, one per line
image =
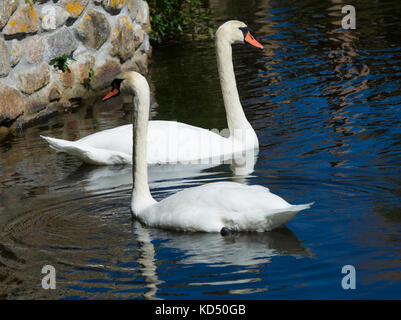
column 103, row 38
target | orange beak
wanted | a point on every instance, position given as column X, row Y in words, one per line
column 111, row 94
column 252, row 41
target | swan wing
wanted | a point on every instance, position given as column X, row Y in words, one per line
column 117, row 139
column 173, row 142
column 168, row 142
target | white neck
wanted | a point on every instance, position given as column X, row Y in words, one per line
column 141, row 197
column 236, row 119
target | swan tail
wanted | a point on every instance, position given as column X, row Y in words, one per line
column 87, row 154
column 262, row 221
column 59, row 145
column 280, row 217
column 300, row 207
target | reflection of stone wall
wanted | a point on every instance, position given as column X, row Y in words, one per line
column 106, row 36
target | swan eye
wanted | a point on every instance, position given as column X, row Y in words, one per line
column 116, row 83
column 247, row 31
column 244, row 30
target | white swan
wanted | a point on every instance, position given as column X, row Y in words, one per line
column 213, row 207
column 170, row 141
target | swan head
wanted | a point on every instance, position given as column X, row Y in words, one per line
column 234, row 31
column 127, row 83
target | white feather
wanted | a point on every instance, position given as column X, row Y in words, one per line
column 173, row 142
column 212, row 206
column 207, row 208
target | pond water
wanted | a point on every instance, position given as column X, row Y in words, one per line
column 325, row 105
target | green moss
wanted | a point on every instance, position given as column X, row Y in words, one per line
column 88, row 81
column 91, row 75
column 62, row 62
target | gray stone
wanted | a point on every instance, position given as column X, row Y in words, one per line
column 34, row 48
column 67, row 78
column 139, row 35
column 61, row 42
column 74, row 7
column 15, row 52
column 7, row 8
column 54, row 93
column 28, row 121
column 11, row 104
column 86, row 63
column 146, row 17
column 53, row 17
column 139, row 11
column 4, row 132
column 123, row 39
column 133, row 8
column 94, row 29
column 105, row 74
column 141, row 60
column 145, row 46
column 25, row 20
column 34, row 79
column 113, row 6
column 5, row 66
column 34, row 106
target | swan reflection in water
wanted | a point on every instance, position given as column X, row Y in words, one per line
column 238, row 249
column 245, row 249
column 107, row 178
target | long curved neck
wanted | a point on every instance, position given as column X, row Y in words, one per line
column 235, row 114
column 141, row 197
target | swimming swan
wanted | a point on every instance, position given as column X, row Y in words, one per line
column 171, row 141
column 213, row 207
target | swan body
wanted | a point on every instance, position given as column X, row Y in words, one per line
column 212, row 207
column 170, row 141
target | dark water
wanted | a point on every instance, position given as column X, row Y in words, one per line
column 325, row 105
